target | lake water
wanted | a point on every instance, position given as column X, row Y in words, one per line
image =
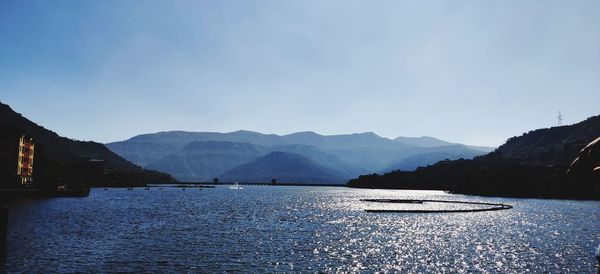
column 294, row 229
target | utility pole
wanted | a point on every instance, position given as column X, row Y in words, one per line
column 560, row 118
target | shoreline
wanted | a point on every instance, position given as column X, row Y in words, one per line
column 249, row 184
column 3, row 225
column 495, row 195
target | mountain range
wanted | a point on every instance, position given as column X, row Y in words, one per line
column 63, row 161
column 245, row 155
column 534, row 164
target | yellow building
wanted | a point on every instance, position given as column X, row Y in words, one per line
column 25, row 160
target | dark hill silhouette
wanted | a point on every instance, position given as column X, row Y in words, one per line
column 284, row 167
column 59, row 160
column 531, row 165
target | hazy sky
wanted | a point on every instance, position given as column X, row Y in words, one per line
column 475, row 72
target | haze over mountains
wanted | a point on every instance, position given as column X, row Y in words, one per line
column 302, row 157
column 534, row 164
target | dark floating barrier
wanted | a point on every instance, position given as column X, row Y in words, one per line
column 393, row 201
column 73, row 192
column 194, row 186
column 493, row 206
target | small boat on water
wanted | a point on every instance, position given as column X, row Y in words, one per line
column 65, row 191
column 235, row 186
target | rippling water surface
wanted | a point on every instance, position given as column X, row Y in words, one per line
column 294, row 229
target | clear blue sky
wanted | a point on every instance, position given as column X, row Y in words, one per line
column 475, row 72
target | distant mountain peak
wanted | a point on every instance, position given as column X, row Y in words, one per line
column 368, row 134
column 304, row 133
column 216, row 144
column 428, row 142
column 212, row 153
column 284, row 167
column 423, row 141
column 243, row 131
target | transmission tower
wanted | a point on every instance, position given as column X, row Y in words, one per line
column 559, row 118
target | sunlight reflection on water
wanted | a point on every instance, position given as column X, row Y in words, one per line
column 305, row 229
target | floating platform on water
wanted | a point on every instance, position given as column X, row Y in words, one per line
column 195, row 186
column 492, row 206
